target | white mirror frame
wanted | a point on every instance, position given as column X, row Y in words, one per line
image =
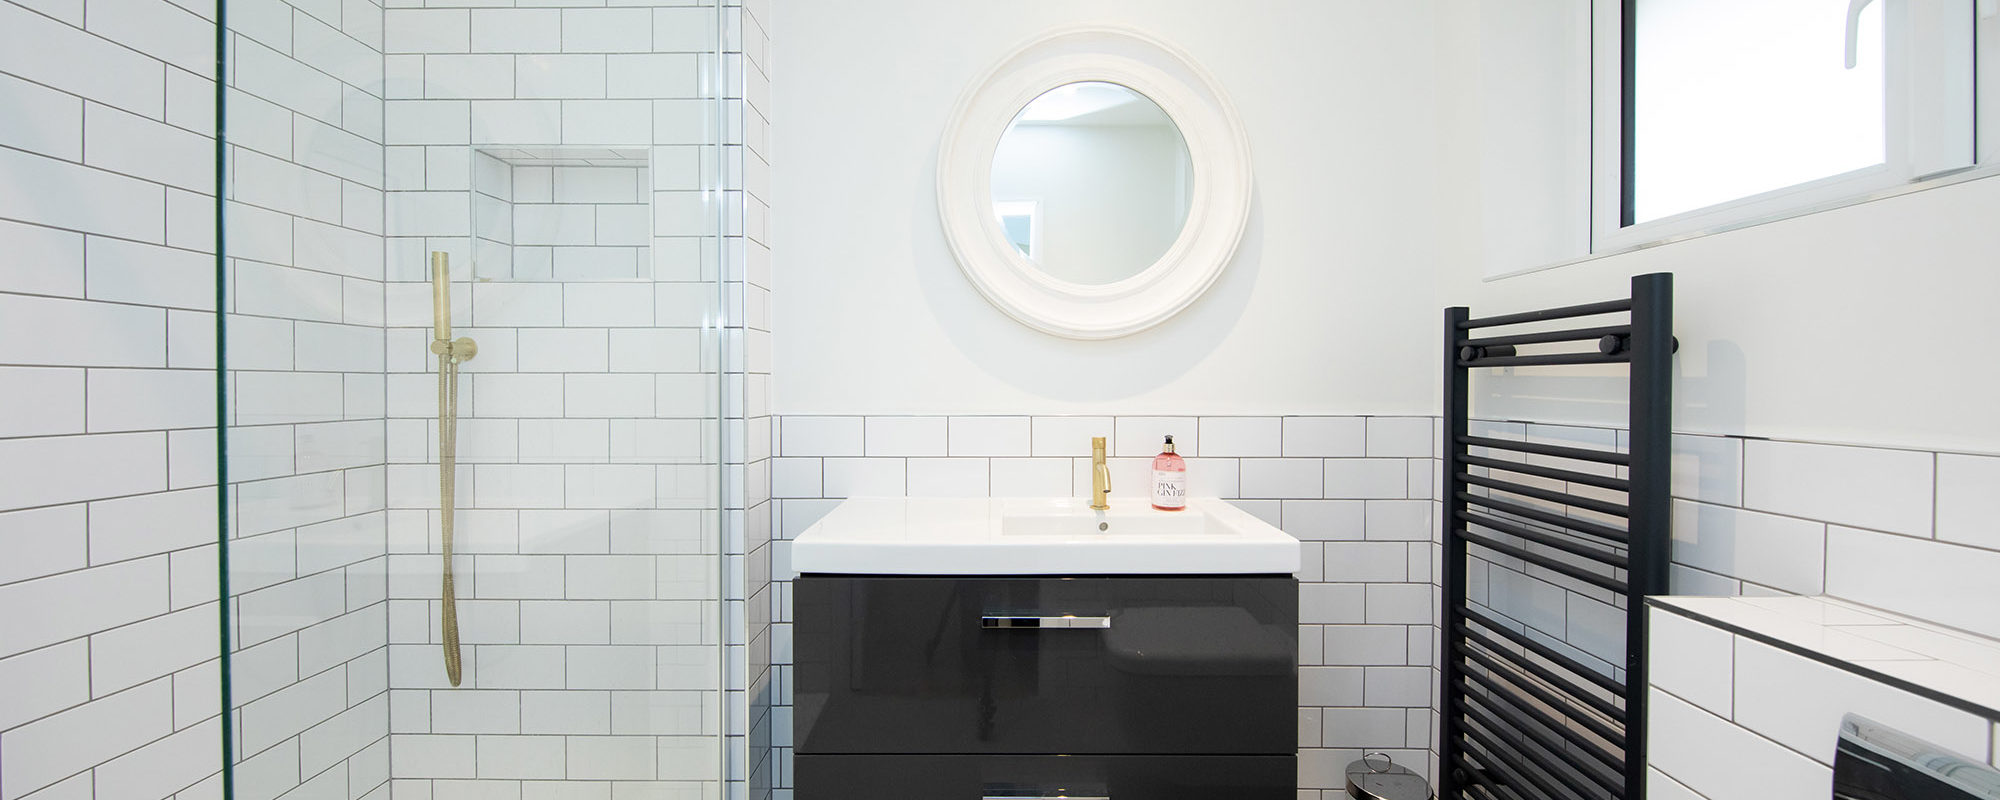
column 1217, row 147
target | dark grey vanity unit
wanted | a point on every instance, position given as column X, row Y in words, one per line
column 1127, row 687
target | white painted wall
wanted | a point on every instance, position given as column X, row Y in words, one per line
column 1328, row 308
column 1533, row 149
column 1863, row 325
column 1379, row 200
column 1860, row 325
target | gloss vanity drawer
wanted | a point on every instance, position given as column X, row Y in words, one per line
column 1193, row 665
column 964, row 777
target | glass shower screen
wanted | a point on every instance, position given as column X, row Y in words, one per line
column 544, row 177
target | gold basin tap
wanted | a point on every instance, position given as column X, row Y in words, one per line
column 1100, row 476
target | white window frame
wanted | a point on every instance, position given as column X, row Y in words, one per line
column 1988, row 44
column 1032, row 209
column 1932, row 117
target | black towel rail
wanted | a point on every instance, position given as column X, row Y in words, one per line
column 1552, row 473
column 1523, row 719
column 1533, row 448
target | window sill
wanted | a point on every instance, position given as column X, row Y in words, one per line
column 1966, row 175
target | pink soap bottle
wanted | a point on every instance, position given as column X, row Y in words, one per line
column 1169, row 479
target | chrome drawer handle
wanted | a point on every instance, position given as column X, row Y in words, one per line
column 1066, row 621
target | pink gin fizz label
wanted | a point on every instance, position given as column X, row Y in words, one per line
column 1169, row 482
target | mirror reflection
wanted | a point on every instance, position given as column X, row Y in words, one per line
column 1092, row 182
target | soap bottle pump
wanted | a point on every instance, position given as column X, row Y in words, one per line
column 1169, row 479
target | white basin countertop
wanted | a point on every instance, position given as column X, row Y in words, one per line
column 1040, row 536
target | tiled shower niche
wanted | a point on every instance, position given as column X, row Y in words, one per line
column 561, row 213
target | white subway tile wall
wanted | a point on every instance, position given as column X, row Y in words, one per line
column 751, row 438
column 307, row 436
column 595, row 519
column 1733, row 717
column 107, row 325
column 1339, row 484
column 1360, row 493
column 307, row 401
column 107, row 449
column 1879, row 526
column 1746, row 522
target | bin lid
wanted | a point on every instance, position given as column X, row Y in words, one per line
column 1377, row 779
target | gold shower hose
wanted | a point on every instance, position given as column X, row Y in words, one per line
column 447, row 488
column 450, row 353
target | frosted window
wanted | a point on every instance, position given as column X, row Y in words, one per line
column 1738, row 97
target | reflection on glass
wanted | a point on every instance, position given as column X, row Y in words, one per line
column 1739, row 97
column 1092, row 182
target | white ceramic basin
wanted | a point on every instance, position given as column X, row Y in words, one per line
column 1040, row 536
column 1074, row 517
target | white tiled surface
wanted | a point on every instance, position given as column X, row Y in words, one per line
column 306, row 428
column 1733, row 716
column 579, row 403
column 1785, row 553
column 1765, row 518
column 1964, row 484
column 108, row 515
column 107, row 328
column 1948, row 583
column 1359, row 511
column 1880, row 489
column 592, row 504
column 559, row 223
column 1691, row 660
column 1873, row 642
column 1339, row 484
column 1722, row 761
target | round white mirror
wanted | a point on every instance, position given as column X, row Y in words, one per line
column 1094, row 183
